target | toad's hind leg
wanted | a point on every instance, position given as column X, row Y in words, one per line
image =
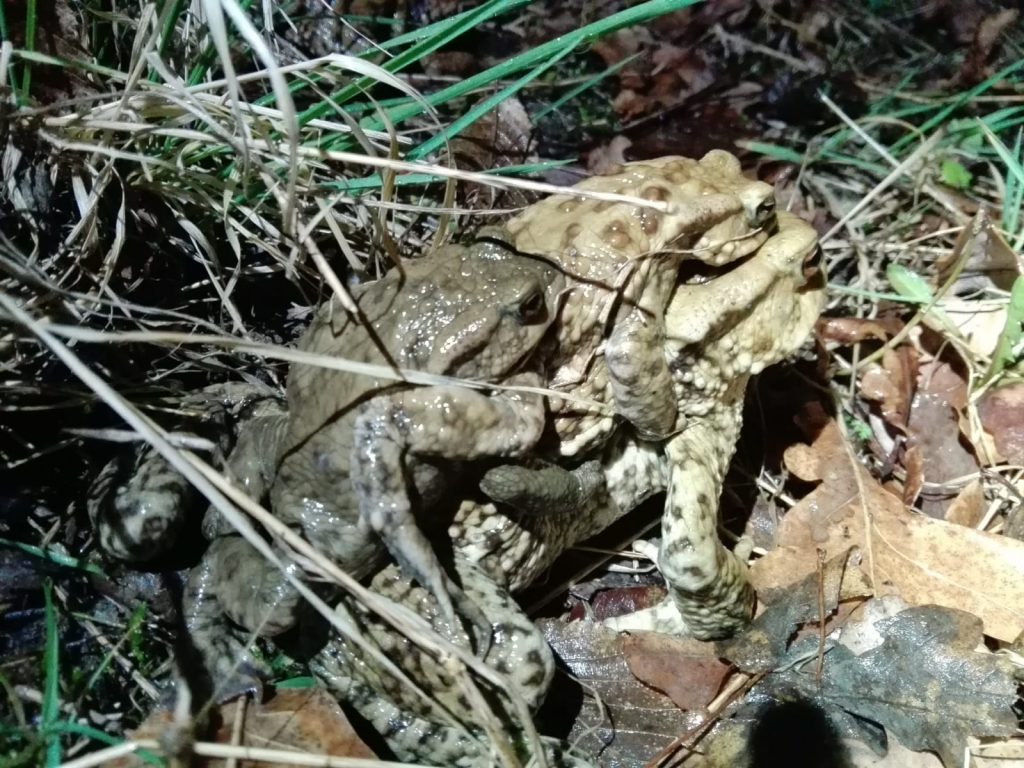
column 447, row 728
column 709, row 594
column 234, row 579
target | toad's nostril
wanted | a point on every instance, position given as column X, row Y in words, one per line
column 762, row 213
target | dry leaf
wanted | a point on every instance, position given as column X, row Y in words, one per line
column 913, row 465
column 968, row 508
column 307, row 721
column 687, row 670
column 925, row 561
column 892, row 384
column 990, row 260
column 850, row 330
column 633, row 721
column 802, row 462
column 934, row 425
column 1002, row 415
column 979, row 321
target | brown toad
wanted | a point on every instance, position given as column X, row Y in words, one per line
column 356, row 456
column 622, row 264
column 717, row 334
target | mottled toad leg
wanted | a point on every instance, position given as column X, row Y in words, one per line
column 447, row 731
column 235, row 580
column 138, row 508
column 464, row 425
column 709, row 595
column 516, row 548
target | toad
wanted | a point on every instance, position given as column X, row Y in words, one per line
column 622, row 263
column 356, row 457
column 717, row 334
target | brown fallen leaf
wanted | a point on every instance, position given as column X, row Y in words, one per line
column 925, row 561
column 307, row 721
column 892, row 384
column 934, row 425
column 990, row 259
column 687, row 670
column 968, row 508
column 625, row 721
column 913, row 465
column 851, row 330
column 1002, row 415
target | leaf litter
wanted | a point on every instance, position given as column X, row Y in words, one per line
column 927, row 433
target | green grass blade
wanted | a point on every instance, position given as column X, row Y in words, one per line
column 30, row 45
column 50, row 556
column 80, row 729
column 941, row 116
column 442, row 137
column 584, row 86
column 445, row 34
column 774, row 151
column 441, row 27
column 629, row 17
column 51, row 679
column 1011, row 334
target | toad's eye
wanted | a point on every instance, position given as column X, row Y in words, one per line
column 531, row 308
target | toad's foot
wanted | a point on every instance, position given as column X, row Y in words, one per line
column 711, row 614
column 464, row 425
column 541, row 488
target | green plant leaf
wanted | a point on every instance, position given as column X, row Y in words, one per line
column 954, row 175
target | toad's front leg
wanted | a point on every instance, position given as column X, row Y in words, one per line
column 634, row 353
column 453, row 423
column 709, row 594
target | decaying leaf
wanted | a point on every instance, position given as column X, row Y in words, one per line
column 925, row 682
column 968, row 507
column 935, row 427
column 921, row 559
column 762, row 647
column 1002, row 415
column 913, row 671
column 306, row 721
column 988, row 259
column 892, row 384
column 629, row 722
column 687, row 670
column 850, row 330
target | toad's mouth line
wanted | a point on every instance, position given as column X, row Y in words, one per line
column 696, row 272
